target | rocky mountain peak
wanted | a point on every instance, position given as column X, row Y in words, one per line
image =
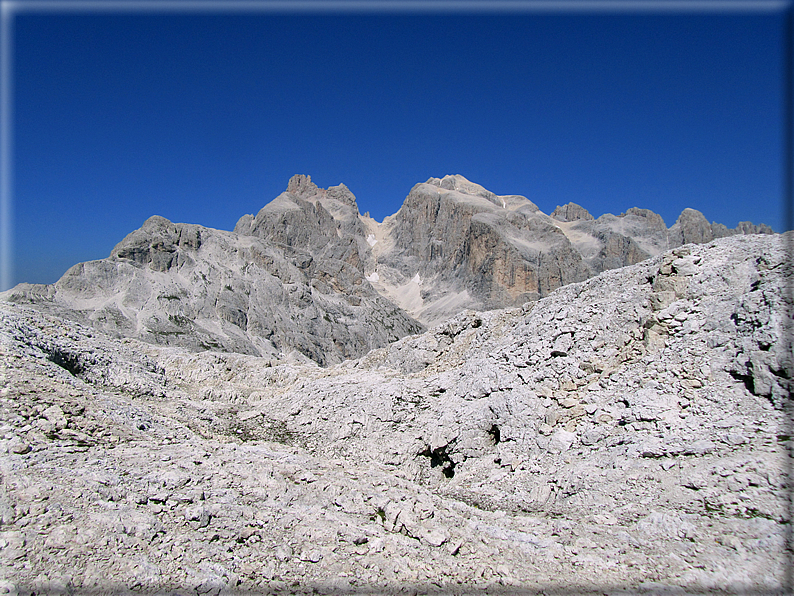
column 654, row 220
column 571, row 212
column 692, row 226
column 302, row 186
column 462, row 185
column 342, row 193
column 159, row 244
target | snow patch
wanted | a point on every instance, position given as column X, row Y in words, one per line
column 504, row 205
column 417, row 280
column 371, row 240
column 373, row 277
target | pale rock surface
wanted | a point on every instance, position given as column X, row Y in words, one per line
column 473, row 249
column 625, row 434
column 692, row 227
column 614, row 241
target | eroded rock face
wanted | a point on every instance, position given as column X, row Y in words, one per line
column 323, row 222
column 455, row 245
column 624, row 430
column 610, row 241
column 692, row 227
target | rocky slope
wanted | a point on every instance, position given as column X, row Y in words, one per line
column 624, row 434
column 309, row 275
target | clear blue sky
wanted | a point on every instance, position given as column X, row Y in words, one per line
column 202, row 118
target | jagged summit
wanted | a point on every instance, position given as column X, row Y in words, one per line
column 287, row 280
column 301, row 185
column 571, row 212
column 309, row 273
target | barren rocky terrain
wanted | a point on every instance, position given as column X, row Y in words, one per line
column 624, row 433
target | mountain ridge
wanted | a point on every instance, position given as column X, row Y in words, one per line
column 309, row 274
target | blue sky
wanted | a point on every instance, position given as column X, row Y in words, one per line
column 203, row 117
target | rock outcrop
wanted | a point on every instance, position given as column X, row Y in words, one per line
column 571, row 212
column 624, row 433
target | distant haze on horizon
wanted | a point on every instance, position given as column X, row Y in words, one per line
column 204, row 117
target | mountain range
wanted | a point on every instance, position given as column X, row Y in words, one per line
column 308, row 276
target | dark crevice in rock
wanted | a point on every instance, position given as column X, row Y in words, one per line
column 746, row 379
column 495, row 434
column 68, row 362
column 439, row 457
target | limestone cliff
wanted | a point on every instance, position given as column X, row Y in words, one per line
column 628, row 434
column 469, row 248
